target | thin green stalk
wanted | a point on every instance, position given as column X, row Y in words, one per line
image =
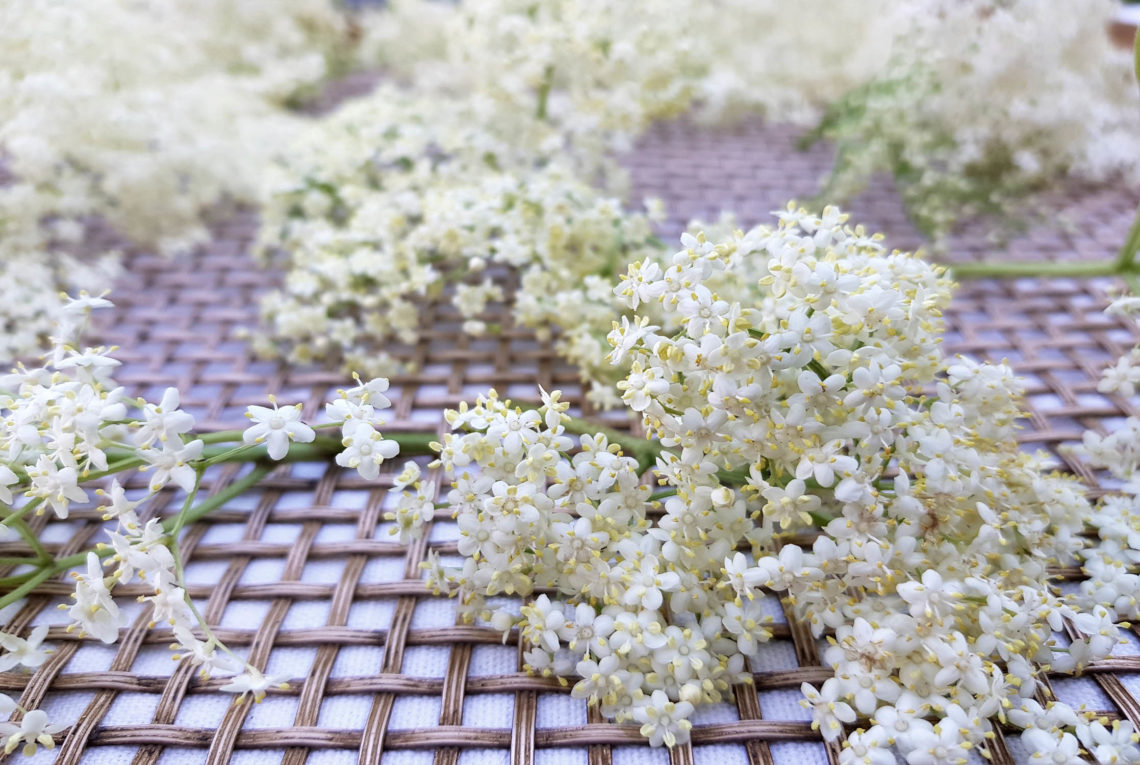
column 1000, row 269
column 210, row 504
column 228, row 455
column 221, row 436
column 20, row 512
column 819, row 369
column 544, row 92
column 819, row 519
column 14, row 561
column 643, row 450
column 1133, row 282
column 180, row 519
column 1126, row 259
column 179, row 568
column 1136, row 55
column 29, row 536
column 37, row 578
column 411, row 444
column 125, row 463
column 28, row 582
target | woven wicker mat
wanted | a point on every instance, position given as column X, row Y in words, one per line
column 301, row 574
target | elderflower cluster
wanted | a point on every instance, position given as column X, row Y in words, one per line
column 603, row 70
column 66, row 427
column 826, row 408
column 477, row 159
column 985, row 100
column 612, row 65
column 639, row 614
column 397, row 197
column 1111, row 564
column 831, row 403
column 184, row 110
column 788, row 63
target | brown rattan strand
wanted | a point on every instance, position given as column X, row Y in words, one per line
column 180, row 323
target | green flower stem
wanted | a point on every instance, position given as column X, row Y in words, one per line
column 228, row 455
column 126, row 461
column 643, row 450
column 819, row 369
column 323, row 447
column 1136, row 55
column 29, row 536
column 999, row 269
column 1123, row 266
column 36, row 578
column 28, row 582
column 1133, row 282
column 544, row 92
column 221, row 436
column 820, row 519
column 180, row 519
column 180, row 522
column 20, row 512
column 12, row 561
column 1125, row 261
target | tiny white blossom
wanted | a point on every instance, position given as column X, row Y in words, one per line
column 254, row 682
column 33, row 731
column 276, row 427
column 24, row 652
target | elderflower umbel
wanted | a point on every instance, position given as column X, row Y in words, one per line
column 824, row 408
column 59, row 423
column 146, row 143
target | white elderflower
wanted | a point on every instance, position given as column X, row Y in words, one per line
column 365, row 449
column 164, row 420
column 276, row 427
column 938, row 744
column 371, row 393
column 1117, row 744
column 664, row 721
column 33, row 731
column 826, row 407
column 24, row 652
column 120, row 507
column 1053, row 747
column 1123, row 378
column 171, row 464
column 254, row 682
column 414, row 509
column 59, row 487
column 94, row 612
column 867, row 747
column 146, row 145
column 7, row 478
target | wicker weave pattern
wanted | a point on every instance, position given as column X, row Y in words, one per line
column 302, row 576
